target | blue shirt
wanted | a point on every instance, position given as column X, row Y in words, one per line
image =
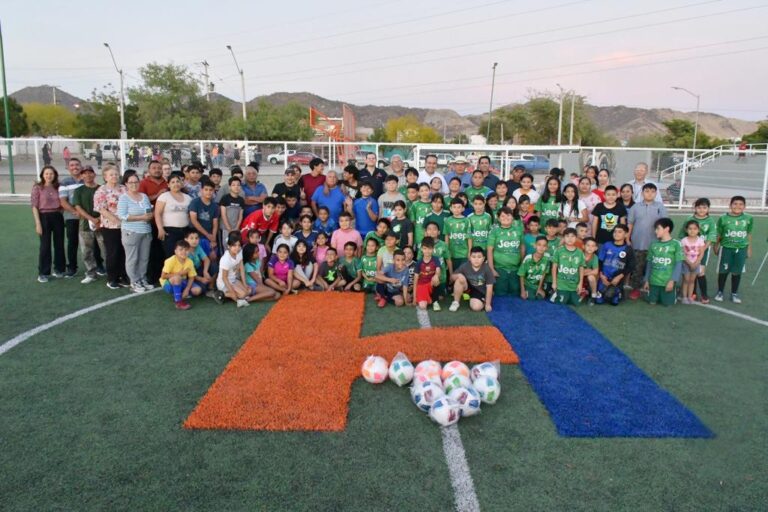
column 127, row 206
column 308, row 239
column 363, row 222
column 253, row 191
column 403, row 276
column 328, row 228
column 466, row 179
column 205, row 212
column 334, row 201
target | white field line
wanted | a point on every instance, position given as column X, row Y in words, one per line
column 16, row 340
column 464, row 495
column 733, row 313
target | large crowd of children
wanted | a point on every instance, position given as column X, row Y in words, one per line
column 409, row 238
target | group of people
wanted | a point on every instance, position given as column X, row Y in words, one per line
column 409, row 237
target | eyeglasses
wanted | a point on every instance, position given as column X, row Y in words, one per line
column 132, row 182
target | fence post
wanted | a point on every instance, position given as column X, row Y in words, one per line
column 122, row 156
column 285, row 156
column 416, row 156
column 682, row 180
column 37, row 156
column 505, row 165
column 594, row 156
column 247, row 152
column 765, row 181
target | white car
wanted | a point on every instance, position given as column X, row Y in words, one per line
column 278, row 158
column 443, row 159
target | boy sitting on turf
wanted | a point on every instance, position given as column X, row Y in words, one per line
column 734, row 238
column 664, row 265
column 178, row 277
column 330, row 273
column 427, row 274
column 351, row 270
column 392, row 282
column 476, row 278
column 533, row 271
column 456, row 231
column 505, row 252
column 567, row 270
column 617, row 261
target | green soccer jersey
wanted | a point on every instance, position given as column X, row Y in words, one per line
column 479, row 227
column 368, row 266
column 568, row 265
column 473, row 191
column 372, row 234
column 457, row 231
column 548, row 210
column 506, row 243
column 438, row 218
column 591, row 263
column 417, row 212
column 351, row 267
column 663, row 257
column 707, row 228
column 532, row 271
column 734, row 231
column 552, row 246
column 447, row 202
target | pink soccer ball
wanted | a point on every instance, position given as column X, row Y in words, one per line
column 375, row 369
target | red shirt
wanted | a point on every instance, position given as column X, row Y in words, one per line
column 257, row 221
column 311, row 183
column 152, row 188
column 427, row 270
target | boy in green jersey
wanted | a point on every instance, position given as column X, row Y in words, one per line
column 591, row 270
column 505, row 252
column 411, row 178
column 456, row 229
column 664, row 265
column 534, row 227
column 438, row 214
column 368, row 265
column 477, row 188
column 351, row 271
column 418, row 211
column 480, row 223
column 533, row 270
column 411, row 194
column 734, row 238
column 708, row 230
column 567, row 270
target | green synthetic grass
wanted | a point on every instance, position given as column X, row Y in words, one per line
column 92, row 413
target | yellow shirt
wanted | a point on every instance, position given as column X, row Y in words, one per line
column 173, row 266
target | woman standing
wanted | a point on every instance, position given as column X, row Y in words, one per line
column 171, row 215
column 603, row 180
column 135, row 213
column 626, row 196
column 105, row 202
column 585, row 194
column 49, row 222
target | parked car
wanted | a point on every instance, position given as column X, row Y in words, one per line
column 302, row 158
column 278, row 158
column 108, row 152
column 529, row 161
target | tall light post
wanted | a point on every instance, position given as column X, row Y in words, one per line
column 560, row 116
column 242, row 77
column 696, row 123
column 573, row 108
column 207, row 83
column 123, row 131
column 7, row 116
column 490, row 108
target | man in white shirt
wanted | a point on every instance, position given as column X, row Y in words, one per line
column 430, row 171
column 641, row 171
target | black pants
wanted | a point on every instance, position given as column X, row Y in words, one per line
column 72, row 228
column 172, row 235
column 53, row 226
column 156, row 257
column 115, row 260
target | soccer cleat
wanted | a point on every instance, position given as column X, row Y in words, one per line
column 88, row 279
column 719, row 297
column 182, row 305
column 735, row 298
column 42, row 279
column 705, row 300
column 137, row 288
column 453, row 307
column 635, row 294
column 124, row 284
column 241, row 303
column 435, row 306
column 113, row 286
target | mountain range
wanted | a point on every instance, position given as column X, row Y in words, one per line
column 620, row 121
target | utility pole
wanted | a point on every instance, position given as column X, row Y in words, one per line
column 54, row 94
column 696, row 124
column 573, row 102
column 242, row 77
column 7, row 115
column 490, row 108
column 560, row 117
column 123, row 130
column 207, row 86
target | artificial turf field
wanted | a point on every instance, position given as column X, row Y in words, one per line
column 92, row 413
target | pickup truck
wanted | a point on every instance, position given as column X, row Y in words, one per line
column 108, row 152
column 529, row 161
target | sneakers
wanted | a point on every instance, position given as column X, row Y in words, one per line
column 635, row 294
column 686, row 300
column 88, row 279
column 705, row 300
column 435, row 306
column 144, row 284
column 113, row 286
column 719, row 297
column 124, row 284
column 42, row 279
column 453, row 307
column 100, row 271
column 69, row 274
column 735, row 298
column 241, row 303
column 137, row 288
column 182, row 305
column 218, row 296
column 381, row 301
column 57, row 274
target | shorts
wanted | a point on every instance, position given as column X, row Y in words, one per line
column 566, row 297
column 508, row 282
column 732, row 260
column 205, row 245
column 659, row 295
column 167, row 288
column 457, row 262
column 688, row 271
column 609, row 294
column 532, row 293
column 388, row 295
column 705, row 258
column 474, row 293
column 424, row 293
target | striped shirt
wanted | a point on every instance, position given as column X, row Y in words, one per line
column 127, row 206
column 67, row 191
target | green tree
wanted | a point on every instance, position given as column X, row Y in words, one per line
column 18, row 118
column 99, row 117
column 269, row 122
column 410, row 129
column 47, row 120
column 680, row 135
column 648, row 140
column 759, row 135
column 379, row 135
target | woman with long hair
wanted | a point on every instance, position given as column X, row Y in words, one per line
column 626, row 196
column 49, row 223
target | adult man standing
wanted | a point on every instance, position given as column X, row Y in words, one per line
column 460, row 171
column 312, row 181
column 254, row 192
column 430, row 171
column 71, row 217
column 373, row 174
column 91, row 241
column 513, row 183
column 641, row 172
column 153, row 185
column 489, row 179
column 397, row 168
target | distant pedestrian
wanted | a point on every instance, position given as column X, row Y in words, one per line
column 67, row 155
column 46, row 154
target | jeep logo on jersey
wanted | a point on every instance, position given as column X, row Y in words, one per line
column 567, row 270
column 508, row 244
column 736, row 234
column 458, row 236
column 662, row 261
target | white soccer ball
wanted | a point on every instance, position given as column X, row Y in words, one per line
column 485, row 370
column 401, row 372
column 456, row 381
column 455, row 368
column 468, row 400
column 421, row 378
column 488, row 388
column 375, row 369
column 424, row 395
column 429, row 368
column 445, row 411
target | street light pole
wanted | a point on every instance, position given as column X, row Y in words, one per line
column 696, row 124
column 573, row 103
column 560, row 117
column 490, row 108
column 7, row 116
column 123, row 130
column 242, row 77
column 207, row 86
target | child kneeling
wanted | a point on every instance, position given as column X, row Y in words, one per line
column 392, row 282
column 476, row 278
column 178, row 276
column 231, row 278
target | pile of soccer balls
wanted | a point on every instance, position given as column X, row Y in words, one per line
column 446, row 393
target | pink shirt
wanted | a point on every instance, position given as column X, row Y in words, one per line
column 341, row 237
column 692, row 248
column 45, row 198
column 320, row 253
